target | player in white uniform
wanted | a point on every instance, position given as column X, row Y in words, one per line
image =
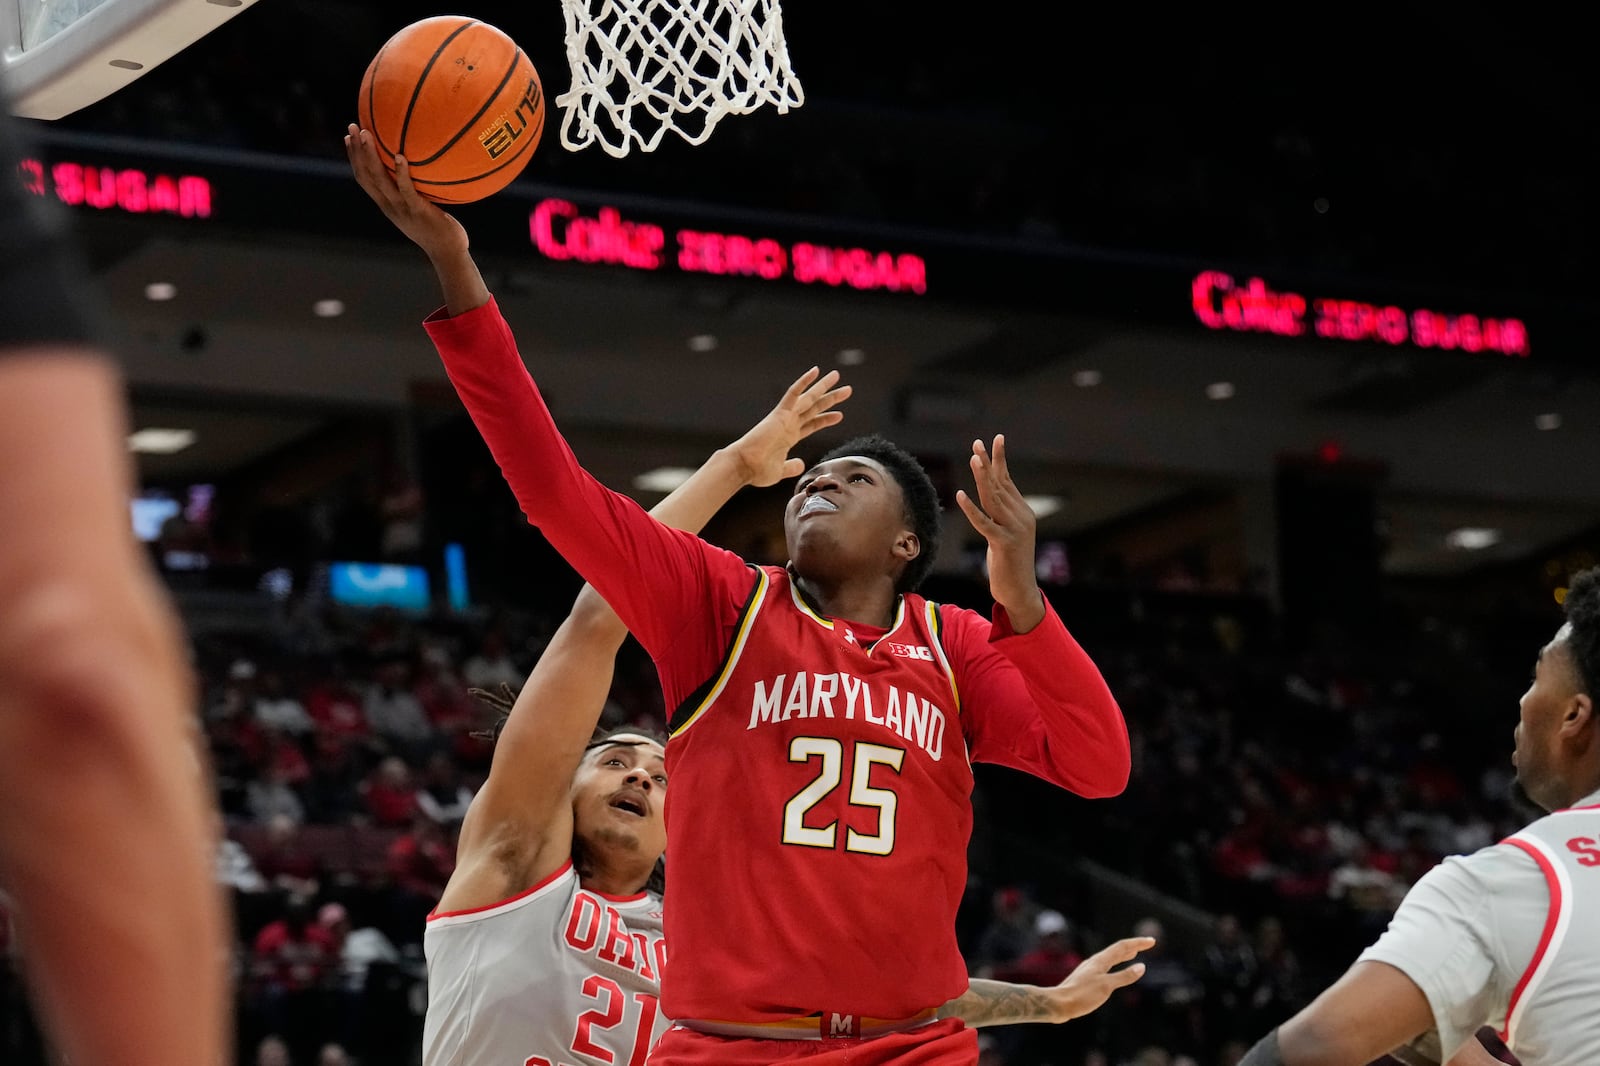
column 1509, row 936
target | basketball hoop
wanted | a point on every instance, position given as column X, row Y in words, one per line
column 642, row 67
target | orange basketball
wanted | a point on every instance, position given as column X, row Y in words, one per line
column 460, row 101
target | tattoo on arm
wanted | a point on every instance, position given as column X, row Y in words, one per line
column 1000, row 1003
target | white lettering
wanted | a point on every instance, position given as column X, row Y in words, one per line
column 797, row 697
column 917, row 722
column 823, row 686
column 935, row 744
column 853, row 687
column 891, row 716
column 866, row 706
column 763, row 709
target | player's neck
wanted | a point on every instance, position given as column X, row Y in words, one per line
column 1583, row 786
column 871, row 602
column 623, row 879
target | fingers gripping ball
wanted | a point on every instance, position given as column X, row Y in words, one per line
column 460, row 101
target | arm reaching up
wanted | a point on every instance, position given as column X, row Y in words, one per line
column 519, row 828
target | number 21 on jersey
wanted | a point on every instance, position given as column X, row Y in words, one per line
column 829, row 755
column 611, row 1003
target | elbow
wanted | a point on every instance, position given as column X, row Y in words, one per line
column 1116, row 762
column 1110, row 782
column 593, row 618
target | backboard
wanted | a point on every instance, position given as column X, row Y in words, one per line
column 58, row 56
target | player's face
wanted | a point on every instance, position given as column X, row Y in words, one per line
column 617, row 798
column 848, row 516
column 1544, row 705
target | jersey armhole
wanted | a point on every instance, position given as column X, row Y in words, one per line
column 696, row 703
column 1558, row 916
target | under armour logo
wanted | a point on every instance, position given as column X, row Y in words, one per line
column 850, row 636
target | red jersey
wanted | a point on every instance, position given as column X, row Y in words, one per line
column 819, row 809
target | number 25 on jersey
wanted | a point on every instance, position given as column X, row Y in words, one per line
column 829, row 755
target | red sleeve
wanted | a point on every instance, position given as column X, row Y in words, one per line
column 677, row 594
column 1036, row 702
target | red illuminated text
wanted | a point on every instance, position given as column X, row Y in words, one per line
column 1222, row 303
column 135, row 191
column 560, row 231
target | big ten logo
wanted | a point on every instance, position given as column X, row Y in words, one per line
column 509, row 126
column 912, row 651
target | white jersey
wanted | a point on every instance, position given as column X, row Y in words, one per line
column 1510, row 937
column 556, row 976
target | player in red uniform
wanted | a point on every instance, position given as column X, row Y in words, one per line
column 546, row 946
column 825, row 713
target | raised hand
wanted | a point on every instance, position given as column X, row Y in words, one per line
column 1087, row 988
column 762, row 453
column 435, row 231
column 1008, row 524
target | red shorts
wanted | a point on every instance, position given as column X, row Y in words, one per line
column 942, row 1043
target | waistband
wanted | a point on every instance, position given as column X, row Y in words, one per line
column 823, row 1025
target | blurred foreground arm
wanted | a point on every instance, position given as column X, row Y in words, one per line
column 105, row 830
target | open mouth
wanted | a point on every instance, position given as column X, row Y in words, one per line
column 817, row 505
column 632, row 804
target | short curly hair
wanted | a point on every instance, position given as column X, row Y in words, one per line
column 922, row 499
column 1583, row 615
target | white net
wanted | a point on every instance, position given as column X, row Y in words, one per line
column 643, row 67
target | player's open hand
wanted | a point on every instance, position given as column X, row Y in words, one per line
column 1008, row 524
column 435, row 231
column 1087, row 988
column 807, row 406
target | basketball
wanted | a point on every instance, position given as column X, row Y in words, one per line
column 460, row 101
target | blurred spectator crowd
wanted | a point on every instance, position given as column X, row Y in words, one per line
column 1280, row 807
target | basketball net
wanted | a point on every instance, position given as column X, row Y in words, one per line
column 643, row 67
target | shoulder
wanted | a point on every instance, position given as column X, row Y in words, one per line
column 1482, row 880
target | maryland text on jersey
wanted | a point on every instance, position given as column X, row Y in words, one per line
column 843, row 696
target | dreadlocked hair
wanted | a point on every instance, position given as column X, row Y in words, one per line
column 502, row 702
column 1583, row 614
column 922, row 499
column 505, row 699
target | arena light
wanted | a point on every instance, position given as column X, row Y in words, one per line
column 1472, row 538
column 160, row 291
column 1220, row 390
column 1042, row 506
column 1087, row 379
column 703, row 342
column 160, row 441
column 1547, row 421
column 852, row 357
column 663, row 478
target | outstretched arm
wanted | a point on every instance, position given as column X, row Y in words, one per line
column 678, row 595
column 519, row 827
column 1039, row 702
column 1084, row 991
column 1370, row 1011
